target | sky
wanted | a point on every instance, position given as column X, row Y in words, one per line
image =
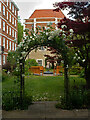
column 27, row 7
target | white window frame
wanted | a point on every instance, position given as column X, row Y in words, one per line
column 0, row 6
column 7, row 2
column 13, row 20
column 15, row 12
column 15, row 35
column 13, row 46
column 3, row 26
column 7, row 15
column 7, row 44
column 4, row 59
column 13, row 8
column 4, row 42
column 0, row 23
column 10, row 45
column 0, row 40
column 3, row 10
column 9, row 18
column 7, row 29
column 10, row 5
column 41, row 60
column 12, row 33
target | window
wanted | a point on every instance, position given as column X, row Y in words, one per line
column 15, row 35
column 0, row 6
column 15, row 46
column 0, row 60
column 7, row 2
column 13, row 8
column 10, row 5
column 0, row 41
column 3, row 26
column 10, row 18
column 42, row 48
column 3, row 10
column 12, row 46
column 15, row 11
column 7, row 29
column 7, row 44
column 3, row 59
column 4, row 42
column 13, row 21
column 10, row 31
column 7, row 15
column 39, row 62
column 0, row 23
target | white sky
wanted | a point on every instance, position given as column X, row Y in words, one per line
column 27, row 7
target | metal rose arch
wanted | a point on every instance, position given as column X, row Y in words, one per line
column 43, row 37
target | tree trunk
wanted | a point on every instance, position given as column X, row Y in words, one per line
column 66, row 82
column 87, row 76
column 21, row 82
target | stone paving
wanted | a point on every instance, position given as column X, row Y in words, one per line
column 46, row 111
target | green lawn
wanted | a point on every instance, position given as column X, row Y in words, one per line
column 41, row 88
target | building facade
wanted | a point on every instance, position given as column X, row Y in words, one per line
column 41, row 18
column 8, row 28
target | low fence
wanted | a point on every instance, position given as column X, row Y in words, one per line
column 59, row 70
column 36, row 69
column 40, row 69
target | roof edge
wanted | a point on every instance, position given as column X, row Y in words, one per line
column 15, row 4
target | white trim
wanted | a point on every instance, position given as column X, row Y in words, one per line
column 6, row 36
column 35, row 24
column 40, row 22
column 44, row 18
column 5, row 53
column 9, row 11
column 8, row 23
column 56, row 22
column 39, row 59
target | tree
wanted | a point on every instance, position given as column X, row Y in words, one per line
column 20, row 32
column 55, row 58
column 80, row 25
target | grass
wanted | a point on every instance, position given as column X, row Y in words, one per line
column 41, row 88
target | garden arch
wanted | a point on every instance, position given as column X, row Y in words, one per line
column 43, row 37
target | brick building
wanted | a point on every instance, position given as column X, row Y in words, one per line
column 8, row 27
column 42, row 17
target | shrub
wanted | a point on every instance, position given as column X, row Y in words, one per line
column 28, row 64
column 78, row 99
column 82, row 73
column 11, row 101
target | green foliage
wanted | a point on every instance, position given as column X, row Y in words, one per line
column 31, row 62
column 82, row 73
column 78, row 99
column 28, row 64
column 75, row 70
column 20, row 32
column 11, row 100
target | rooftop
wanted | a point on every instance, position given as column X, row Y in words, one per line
column 15, row 4
column 46, row 13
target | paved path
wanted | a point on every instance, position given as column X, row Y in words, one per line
column 46, row 111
